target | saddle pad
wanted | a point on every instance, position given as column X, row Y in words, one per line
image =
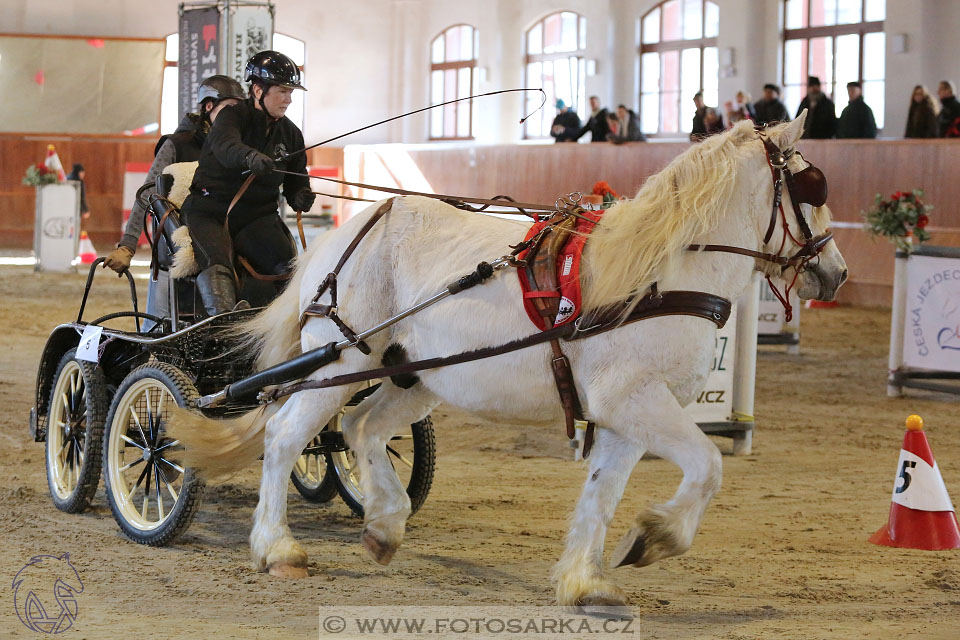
column 567, row 272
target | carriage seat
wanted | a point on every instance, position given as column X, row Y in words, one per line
column 174, row 246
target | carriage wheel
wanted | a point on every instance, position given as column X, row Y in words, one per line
column 74, row 423
column 311, row 478
column 152, row 498
column 412, row 453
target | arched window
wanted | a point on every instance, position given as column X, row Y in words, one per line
column 839, row 41
column 678, row 58
column 453, row 74
column 555, row 47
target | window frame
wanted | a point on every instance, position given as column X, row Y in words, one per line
column 528, row 58
column 662, row 46
column 834, row 31
column 472, row 64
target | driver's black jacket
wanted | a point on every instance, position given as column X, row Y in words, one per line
column 237, row 132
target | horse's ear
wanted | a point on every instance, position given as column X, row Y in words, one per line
column 791, row 132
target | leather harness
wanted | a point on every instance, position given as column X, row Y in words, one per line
column 807, row 186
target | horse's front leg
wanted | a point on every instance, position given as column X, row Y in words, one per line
column 668, row 529
column 579, row 574
column 368, row 430
column 287, row 432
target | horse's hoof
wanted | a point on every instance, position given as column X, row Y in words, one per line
column 630, row 550
column 379, row 550
column 604, row 606
column 287, row 571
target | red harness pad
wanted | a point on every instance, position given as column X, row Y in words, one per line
column 568, row 272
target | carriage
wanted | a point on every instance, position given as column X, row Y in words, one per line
column 103, row 396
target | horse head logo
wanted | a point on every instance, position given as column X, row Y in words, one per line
column 45, row 593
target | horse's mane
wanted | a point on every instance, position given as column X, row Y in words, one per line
column 638, row 241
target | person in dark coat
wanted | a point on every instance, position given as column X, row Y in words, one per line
column 821, row 120
column 856, row 119
column 566, row 125
column 706, row 120
column 922, row 117
column 770, row 109
column 948, row 122
column 77, row 173
column 255, row 135
column 628, row 126
column 597, row 124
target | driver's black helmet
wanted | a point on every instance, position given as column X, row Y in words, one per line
column 273, row 67
column 219, row 88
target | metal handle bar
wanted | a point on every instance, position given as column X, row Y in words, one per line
column 86, row 291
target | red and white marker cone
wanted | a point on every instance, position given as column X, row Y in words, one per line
column 921, row 516
column 52, row 162
column 87, row 253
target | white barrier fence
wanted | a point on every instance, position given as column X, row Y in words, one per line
column 772, row 322
column 925, row 321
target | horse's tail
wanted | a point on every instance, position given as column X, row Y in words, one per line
column 220, row 446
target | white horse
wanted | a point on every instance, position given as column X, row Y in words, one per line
column 633, row 381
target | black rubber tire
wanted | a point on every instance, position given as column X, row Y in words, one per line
column 191, row 492
column 94, row 404
column 421, row 477
column 324, row 492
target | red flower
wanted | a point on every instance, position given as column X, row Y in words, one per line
column 922, row 221
column 601, row 188
column 898, row 195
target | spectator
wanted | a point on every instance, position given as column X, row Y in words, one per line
column 701, row 127
column 566, row 125
column 821, row 120
column 742, row 109
column 628, row 127
column 597, row 125
column 948, row 122
column 922, row 119
column 770, row 109
column 78, row 174
column 856, row 119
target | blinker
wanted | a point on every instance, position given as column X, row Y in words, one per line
column 809, row 187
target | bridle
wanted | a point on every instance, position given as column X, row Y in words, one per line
column 808, row 186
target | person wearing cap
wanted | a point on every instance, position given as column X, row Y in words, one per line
column 77, row 173
column 566, row 124
column 821, row 119
column 769, row 108
column 856, row 119
column 254, row 138
column 183, row 145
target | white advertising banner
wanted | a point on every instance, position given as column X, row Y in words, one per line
column 57, row 227
column 931, row 337
column 715, row 402
column 251, row 31
column 770, row 320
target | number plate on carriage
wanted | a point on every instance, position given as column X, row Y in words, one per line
column 89, row 347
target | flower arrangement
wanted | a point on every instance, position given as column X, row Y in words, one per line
column 604, row 190
column 902, row 217
column 39, row 175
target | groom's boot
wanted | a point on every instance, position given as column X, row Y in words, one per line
column 218, row 289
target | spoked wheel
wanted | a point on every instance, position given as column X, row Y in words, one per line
column 74, row 430
column 152, row 498
column 412, row 453
column 311, row 478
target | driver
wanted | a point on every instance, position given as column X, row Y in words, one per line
column 183, row 145
column 251, row 135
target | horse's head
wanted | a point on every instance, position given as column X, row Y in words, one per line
column 800, row 228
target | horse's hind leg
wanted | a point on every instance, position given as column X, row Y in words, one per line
column 667, row 529
column 386, row 505
column 578, row 574
column 287, row 433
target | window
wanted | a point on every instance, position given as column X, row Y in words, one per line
column 678, row 58
column 554, row 61
column 838, row 41
column 453, row 74
column 169, row 104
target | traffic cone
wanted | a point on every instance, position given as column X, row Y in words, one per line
column 87, row 253
column 921, row 515
column 52, row 162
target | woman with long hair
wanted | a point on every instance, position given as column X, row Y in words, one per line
column 922, row 119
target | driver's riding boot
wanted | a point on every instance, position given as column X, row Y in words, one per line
column 218, row 289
